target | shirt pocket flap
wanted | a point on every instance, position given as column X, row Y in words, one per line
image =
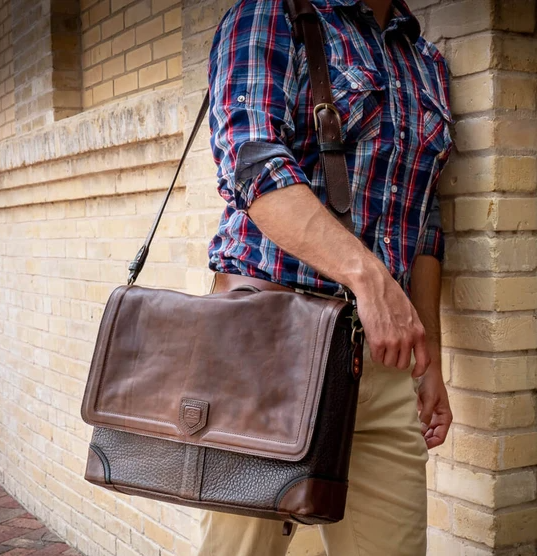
column 431, row 102
column 353, row 79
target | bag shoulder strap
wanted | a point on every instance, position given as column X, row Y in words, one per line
column 307, row 28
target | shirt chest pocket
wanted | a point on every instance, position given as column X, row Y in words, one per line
column 358, row 95
column 435, row 119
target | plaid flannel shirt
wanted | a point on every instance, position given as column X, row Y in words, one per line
column 391, row 90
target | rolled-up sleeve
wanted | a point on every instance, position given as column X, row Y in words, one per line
column 253, row 92
column 431, row 240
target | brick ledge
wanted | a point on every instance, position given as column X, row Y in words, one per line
column 151, row 115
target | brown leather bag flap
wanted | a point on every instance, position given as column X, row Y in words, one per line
column 240, row 371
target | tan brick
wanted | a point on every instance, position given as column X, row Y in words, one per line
column 172, row 20
column 473, row 524
column 112, row 26
column 471, row 54
column 438, row 513
column 517, row 527
column 100, row 52
column 103, row 538
column 495, row 214
column 174, row 67
column 104, row 92
column 481, row 450
column 140, row 11
column 465, row 484
column 496, row 294
column 92, row 76
column 155, row 532
column 159, row 5
column 475, row 134
column 148, row 31
column 517, row 214
column 152, row 74
column 99, row 12
column 123, row 42
column 91, row 37
column 519, row 450
column 126, row 83
column 516, row 173
column 491, row 412
column 489, row 333
column 120, row 4
column 167, row 46
column 515, row 488
column 138, row 57
column 473, row 93
column 505, row 374
column 515, row 16
column 505, row 254
column 462, row 18
column 517, row 53
column 113, row 67
column 442, row 544
column 517, row 134
column 515, row 92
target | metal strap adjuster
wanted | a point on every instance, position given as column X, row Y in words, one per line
column 325, row 106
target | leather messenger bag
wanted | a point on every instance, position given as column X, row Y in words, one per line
column 240, row 401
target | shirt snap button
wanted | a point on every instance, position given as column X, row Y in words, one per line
column 241, row 98
column 354, row 85
column 386, row 240
column 394, row 189
column 402, row 135
column 398, row 84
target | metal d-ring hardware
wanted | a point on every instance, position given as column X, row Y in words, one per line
column 324, row 106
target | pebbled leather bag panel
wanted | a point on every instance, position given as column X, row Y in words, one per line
column 258, row 486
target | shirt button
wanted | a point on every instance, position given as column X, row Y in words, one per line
column 398, row 84
column 386, row 240
column 394, row 189
column 241, row 98
column 402, row 135
column 354, row 85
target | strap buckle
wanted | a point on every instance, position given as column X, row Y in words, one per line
column 325, row 106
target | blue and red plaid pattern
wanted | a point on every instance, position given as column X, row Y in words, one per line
column 391, row 90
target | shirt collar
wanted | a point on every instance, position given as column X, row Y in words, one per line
column 403, row 19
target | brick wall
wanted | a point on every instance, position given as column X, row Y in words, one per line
column 129, row 46
column 483, row 497
column 78, row 195
column 7, row 96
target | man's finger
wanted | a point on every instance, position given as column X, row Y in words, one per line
column 423, row 359
column 438, row 437
column 426, row 413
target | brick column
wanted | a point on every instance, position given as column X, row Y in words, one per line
column 483, row 481
column 46, row 53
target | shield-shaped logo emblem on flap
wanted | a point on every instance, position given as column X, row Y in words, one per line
column 193, row 415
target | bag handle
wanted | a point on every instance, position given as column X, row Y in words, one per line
column 306, row 27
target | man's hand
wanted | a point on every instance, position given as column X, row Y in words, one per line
column 433, row 407
column 391, row 323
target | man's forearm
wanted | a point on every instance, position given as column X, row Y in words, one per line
column 298, row 223
column 425, row 295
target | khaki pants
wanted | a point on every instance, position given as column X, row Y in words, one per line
column 386, row 513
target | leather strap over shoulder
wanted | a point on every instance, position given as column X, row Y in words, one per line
column 307, row 27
